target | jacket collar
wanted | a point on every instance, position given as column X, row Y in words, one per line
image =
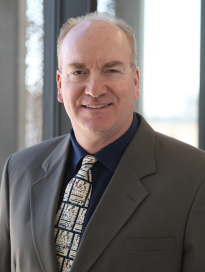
column 142, row 156
column 56, row 155
column 44, row 196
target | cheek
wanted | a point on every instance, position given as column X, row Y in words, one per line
column 73, row 96
column 69, row 91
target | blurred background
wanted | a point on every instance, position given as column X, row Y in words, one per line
column 170, row 54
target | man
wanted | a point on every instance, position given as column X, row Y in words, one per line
column 139, row 206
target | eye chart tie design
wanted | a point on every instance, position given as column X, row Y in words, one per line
column 71, row 214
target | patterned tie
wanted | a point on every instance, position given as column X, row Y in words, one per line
column 71, row 214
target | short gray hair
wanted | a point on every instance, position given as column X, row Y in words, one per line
column 99, row 16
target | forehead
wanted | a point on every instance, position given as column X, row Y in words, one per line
column 97, row 40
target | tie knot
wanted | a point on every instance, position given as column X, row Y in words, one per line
column 88, row 162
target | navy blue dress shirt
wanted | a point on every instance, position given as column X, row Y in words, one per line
column 108, row 159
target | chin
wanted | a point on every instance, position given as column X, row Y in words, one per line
column 96, row 128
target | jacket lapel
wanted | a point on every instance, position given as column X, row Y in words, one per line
column 123, row 195
column 43, row 203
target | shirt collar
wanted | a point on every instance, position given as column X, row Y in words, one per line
column 110, row 155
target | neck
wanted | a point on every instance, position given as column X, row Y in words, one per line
column 93, row 142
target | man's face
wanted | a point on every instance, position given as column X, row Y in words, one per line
column 96, row 82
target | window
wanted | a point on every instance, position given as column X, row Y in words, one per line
column 171, row 67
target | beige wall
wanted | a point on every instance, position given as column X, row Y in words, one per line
column 8, row 79
column 12, row 78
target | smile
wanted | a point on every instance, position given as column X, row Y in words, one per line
column 96, row 107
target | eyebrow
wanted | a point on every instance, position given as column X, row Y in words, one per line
column 76, row 65
column 111, row 64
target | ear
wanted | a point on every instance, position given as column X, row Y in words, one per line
column 136, row 82
column 58, row 79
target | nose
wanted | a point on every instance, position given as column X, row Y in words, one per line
column 95, row 87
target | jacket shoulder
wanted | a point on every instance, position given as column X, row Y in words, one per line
column 180, row 152
column 35, row 155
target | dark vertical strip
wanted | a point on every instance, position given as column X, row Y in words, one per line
column 93, row 5
column 49, row 69
column 202, row 81
column 57, row 106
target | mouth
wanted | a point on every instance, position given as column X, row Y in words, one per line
column 96, row 106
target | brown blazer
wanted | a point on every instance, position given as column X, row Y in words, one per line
column 151, row 218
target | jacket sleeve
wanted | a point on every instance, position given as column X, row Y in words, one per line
column 194, row 240
column 5, row 251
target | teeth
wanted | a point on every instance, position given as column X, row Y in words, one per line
column 96, row 107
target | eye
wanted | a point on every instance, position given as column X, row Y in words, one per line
column 78, row 73
column 112, row 71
